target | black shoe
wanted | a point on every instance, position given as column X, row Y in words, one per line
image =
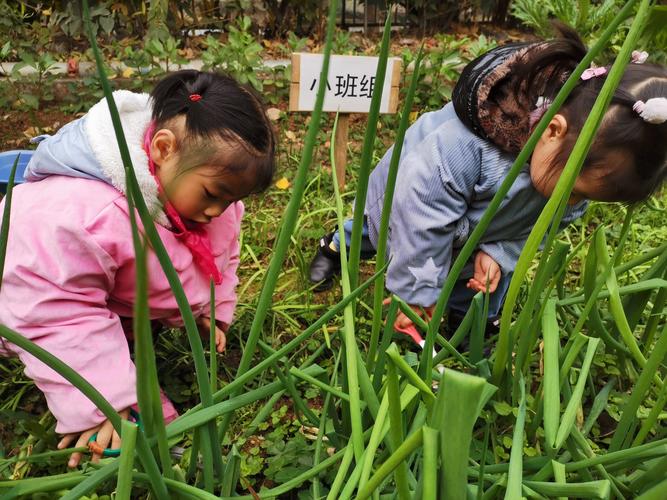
column 325, row 265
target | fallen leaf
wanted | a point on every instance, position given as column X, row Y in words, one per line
column 188, row 53
column 283, row 183
column 128, row 72
column 290, row 135
column 273, row 114
column 31, row 132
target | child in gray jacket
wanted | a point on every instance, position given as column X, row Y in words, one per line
column 454, row 160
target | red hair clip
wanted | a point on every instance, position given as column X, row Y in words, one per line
column 195, row 97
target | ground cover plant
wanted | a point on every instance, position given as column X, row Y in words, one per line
column 568, row 404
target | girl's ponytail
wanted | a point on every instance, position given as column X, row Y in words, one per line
column 170, row 95
column 543, row 70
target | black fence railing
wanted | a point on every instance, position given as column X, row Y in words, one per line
column 371, row 13
column 427, row 15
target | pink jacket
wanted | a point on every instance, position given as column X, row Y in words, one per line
column 69, row 279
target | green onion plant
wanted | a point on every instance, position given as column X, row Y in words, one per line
column 471, row 415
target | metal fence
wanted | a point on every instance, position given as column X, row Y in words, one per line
column 421, row 14
column 364, row 14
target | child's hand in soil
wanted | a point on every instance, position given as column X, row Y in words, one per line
column 485, row 269
column 220, row 332
column 107, row 437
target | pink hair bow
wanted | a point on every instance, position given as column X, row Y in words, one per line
column 593, row 73
column 639, row 57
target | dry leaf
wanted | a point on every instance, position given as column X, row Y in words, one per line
column 290, row 135
column 273, row 114
column 311, row 433
column 283, row 183
column 188, row 53
column 31, row 132
column 128, row 72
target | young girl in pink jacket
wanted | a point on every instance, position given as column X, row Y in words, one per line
column 200, row 143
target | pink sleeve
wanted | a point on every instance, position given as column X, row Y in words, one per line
column 225, row 292
column 55, row 293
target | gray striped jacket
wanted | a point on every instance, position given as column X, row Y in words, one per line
column 446, row 179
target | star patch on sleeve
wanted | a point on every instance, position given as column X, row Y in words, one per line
column 426, row 275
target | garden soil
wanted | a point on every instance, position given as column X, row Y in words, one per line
column 18, row 127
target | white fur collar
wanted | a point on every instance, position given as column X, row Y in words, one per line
column 135, row 115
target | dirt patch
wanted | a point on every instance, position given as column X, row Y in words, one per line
column 18, row 127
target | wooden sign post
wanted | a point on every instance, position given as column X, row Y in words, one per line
column 349, row 90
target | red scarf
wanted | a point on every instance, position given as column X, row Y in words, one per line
column 196, row 239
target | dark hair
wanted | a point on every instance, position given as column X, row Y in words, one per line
column 643, row 144
column 225, row 109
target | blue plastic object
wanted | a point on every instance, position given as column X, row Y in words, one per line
column 7, row 159
column 115, row 452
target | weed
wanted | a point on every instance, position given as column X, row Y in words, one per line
column 239, row 56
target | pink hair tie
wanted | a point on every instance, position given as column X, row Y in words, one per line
column 639, row 57
column 195, row 97
column 593, row 73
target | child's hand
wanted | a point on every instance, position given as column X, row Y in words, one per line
column 220, row 330
column 107, row 437
column 402, row 321
column 485, row 268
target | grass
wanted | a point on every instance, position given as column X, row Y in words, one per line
column 579, row 417
column 300, row 308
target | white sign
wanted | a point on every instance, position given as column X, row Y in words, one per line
column 349, row 86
